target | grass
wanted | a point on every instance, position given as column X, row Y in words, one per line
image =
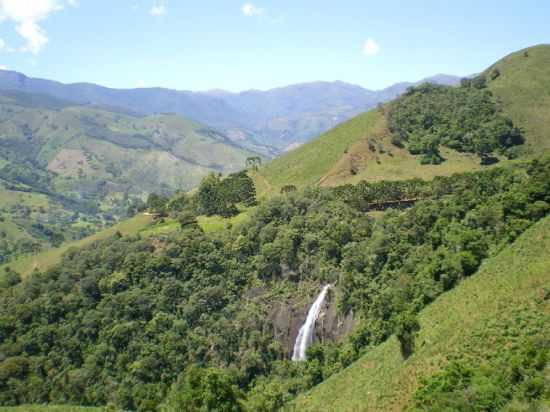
column 48, row 408
column 306, row 165
column 493, row 308
column 42, row 261
column 139, row 224
column 523, row 88
column 213, row 224
column 360, row 149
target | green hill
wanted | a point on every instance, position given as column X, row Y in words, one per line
column 67, row 171
column 364, row 149
column 494, row 309
column 521, row 82
column 25, row 265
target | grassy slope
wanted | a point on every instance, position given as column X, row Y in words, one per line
column 309, row 163
column 44, row 260
column 138, row 224
column 472, row 319
column 363, row 144
column 523, row 88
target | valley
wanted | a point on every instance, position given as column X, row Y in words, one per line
column 396, row 262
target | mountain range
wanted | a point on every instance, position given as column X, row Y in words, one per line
column 269, row 122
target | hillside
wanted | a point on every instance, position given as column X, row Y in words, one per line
column 67, row 170
column 267, row 121
column 364, row 149
column 359, row 149
column 521, row 82
column 496, row 308
column 137, row 321
column 42, row 261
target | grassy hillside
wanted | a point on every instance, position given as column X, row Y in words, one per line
column 492, row 310
column 139, row 224
column 44, row 260
column 523, row 88
column 362, row 149
column 67, row 171
column 359, row 149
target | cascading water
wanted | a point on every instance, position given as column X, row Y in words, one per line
column 305, row 336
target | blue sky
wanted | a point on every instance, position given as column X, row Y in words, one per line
column 239, row 45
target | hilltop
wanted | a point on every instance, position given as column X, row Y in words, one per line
column 269, row 121
column 521, row 84
column 363, row 148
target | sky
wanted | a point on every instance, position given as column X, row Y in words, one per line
column 241, row 45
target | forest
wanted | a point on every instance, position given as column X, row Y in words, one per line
column 464, row 118
column 170, row 322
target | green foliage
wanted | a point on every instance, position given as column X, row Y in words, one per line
column 464, row 118
column 204, row 390
column 90, row 168
column 405, row 329
column 9, row 278
column 512, row 377
column 486, row 321
column 125, row 319
column 217, row 196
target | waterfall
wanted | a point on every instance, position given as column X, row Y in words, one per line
column 305, row 336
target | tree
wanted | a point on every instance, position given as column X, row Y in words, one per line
column 187, row 220
column 9, row 278
column 211, row 389
column 406, row 328
column 288, row 189
column 254, row 162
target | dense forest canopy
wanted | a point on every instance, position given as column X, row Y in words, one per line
column 464, row 118
column 177, row 319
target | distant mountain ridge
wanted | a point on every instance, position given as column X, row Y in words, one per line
column 267, row 121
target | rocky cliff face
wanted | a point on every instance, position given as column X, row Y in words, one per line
column 287, row 318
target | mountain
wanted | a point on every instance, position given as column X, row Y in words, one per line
column 364, row 148
column 435, row 288
column 67, row 170
column 268, row 121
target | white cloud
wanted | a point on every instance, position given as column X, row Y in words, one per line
column 157, row 9
column 2, row 44
column 141, row 84
column 2, row 67
column 26, row 14
column 371, row 47
column 250, row 10
column 34, row 34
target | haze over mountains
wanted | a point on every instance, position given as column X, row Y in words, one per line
column 269, row 121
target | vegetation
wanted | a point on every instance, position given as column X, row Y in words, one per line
column 183, row 317
column 482, row 342
column 68, row 171
column 463, row 118
column 521, row 90
column 443, row 279
column 363, row 148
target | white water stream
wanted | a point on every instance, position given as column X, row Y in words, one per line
column 305, row 336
